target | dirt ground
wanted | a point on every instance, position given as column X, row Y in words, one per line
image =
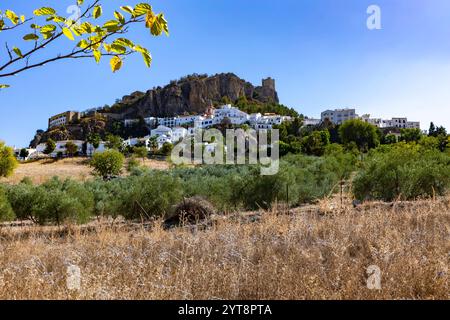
column 75, row 168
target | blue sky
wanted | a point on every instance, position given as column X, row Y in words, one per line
column 319, row 51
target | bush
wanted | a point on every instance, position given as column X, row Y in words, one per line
column 147, row 196
column 108, row 163
column 404, row 171
column 55, row 201
column 6, row 212
column 132, row 164
column 8, row 161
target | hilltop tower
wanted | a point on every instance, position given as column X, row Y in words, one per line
column 269, row 84
column 267, row 92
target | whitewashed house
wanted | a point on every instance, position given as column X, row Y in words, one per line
column 162, row 139
column 339, row 116
column 178, row 134
column 161, row 131
column 236, row 116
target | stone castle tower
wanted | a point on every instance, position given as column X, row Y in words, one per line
column 267, row 92
column 269, row 84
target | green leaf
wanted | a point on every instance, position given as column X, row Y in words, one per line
column 118, row 48
column 44, row 11
column 48, row 28
column 18, row 52
column 12, row 16
column 116, row 63
column 147, row 59
column 4, row 86
column 83, row 44
column 119, row 17
column 98, row 12
column 68, row 33
column 31, row 36
column 128, row 9
column 97, row 55
column 141, row 9
column 112, row 26
column 124, row 42
column 58, row 19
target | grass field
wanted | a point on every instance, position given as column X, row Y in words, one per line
column 75, row 168
column 316, row 252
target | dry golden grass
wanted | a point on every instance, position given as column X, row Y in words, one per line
column 75, row 168
column 308, row 254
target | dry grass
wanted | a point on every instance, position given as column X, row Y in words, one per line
column 308, row 254
column 75, row 168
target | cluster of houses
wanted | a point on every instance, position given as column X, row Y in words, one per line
column 173, row 129
column 339, row 116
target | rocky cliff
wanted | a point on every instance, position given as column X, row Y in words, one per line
column 194, row 94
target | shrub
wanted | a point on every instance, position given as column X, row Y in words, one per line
column 6, row 212
column 62, row 201
column 8, row 161
column 55, row 201
column 147, row 196
column 405, row 171
column 108, row 163
column 132, row 164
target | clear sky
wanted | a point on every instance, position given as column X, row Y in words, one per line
column 320, row 52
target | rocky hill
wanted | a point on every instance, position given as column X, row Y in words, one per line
column 192, row 94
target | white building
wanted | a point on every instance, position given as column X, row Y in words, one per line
column 339, row 116
column 401, row 123
column 311, row 122
column 60, row 147
column 90, row 150
column 236, row 116
column 161, row 131
column 179, row 133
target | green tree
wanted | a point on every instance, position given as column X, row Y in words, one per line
column 6, row 212
column 432, row 130
column 410, row 135
column 141, row 152
column 94, row 140
column 114, row 142
column 315, row 143
column 153, row 144
column 390, row 139
column 93, row 35
column 363, row 134
column 108, row 163
column 24, row 153
column 71, row 148
column 50, row 146
column 8, row 161
column 166, row 149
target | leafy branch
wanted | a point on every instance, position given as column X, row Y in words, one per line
column 93, row 40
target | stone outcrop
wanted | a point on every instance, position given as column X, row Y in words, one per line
column 194, row 94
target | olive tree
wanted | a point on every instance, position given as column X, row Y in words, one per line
column 108, row 163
